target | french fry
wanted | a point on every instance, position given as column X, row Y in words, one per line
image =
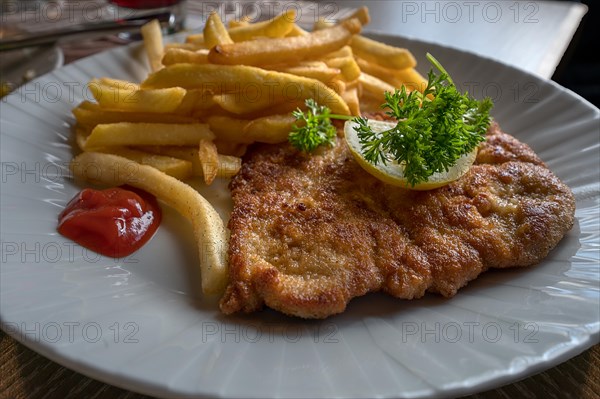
column 118, row 84
column 347, row 65
column 277, row 27
column 153, row 43
column 381, row 53
column 81, row 135
column 228, row 165
column 209, row 160
column 311, row 64
column 178, row 56
column 185, row 46
column 236, row 23
column 93, row 115
column 362, row 14
column 345, row 51
column 353, row 84
column 196, row 39
column 296, row 31
column 215, row 32
column 229, row 129
column 338, row 85
column 241, row 103
column 351, row 98
column 88, row 105
column 260, row 104
column 267, row 129
column 137, row 100
column 286, row 49
column 230, row 78
column 209, row 230
column 124, row 133
column 195, row 103
column 408, row 77
column 374, row 86
column 270, row 129
column 323, row 74
column 386, row 74
column 216, row 78
column 177, row 168
column 322, row 23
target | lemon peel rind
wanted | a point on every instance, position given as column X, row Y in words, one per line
column 392, row 173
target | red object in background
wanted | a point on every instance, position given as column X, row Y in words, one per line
column 139, row 4
column 114, row 222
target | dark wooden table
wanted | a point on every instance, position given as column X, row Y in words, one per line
column 26, row 374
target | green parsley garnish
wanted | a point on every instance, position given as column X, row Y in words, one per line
column 434, row 129
column 315, row 127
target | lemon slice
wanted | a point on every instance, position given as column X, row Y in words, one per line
column 393, row 173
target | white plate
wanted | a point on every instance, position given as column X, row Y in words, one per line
column 140, row 322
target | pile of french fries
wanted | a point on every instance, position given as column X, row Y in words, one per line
column 208, row 98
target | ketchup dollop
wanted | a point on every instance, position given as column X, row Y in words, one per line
column 114, row 222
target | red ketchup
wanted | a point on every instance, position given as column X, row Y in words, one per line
column 115, row 222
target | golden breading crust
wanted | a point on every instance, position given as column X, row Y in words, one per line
column 311, row 232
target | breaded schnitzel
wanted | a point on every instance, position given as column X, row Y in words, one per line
column 311, row 232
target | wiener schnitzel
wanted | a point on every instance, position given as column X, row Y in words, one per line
column 311, row 232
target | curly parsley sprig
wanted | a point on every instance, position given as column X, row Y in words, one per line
column 434, row 129
column 315, row 127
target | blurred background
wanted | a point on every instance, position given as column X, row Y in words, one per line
column 579, row 69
